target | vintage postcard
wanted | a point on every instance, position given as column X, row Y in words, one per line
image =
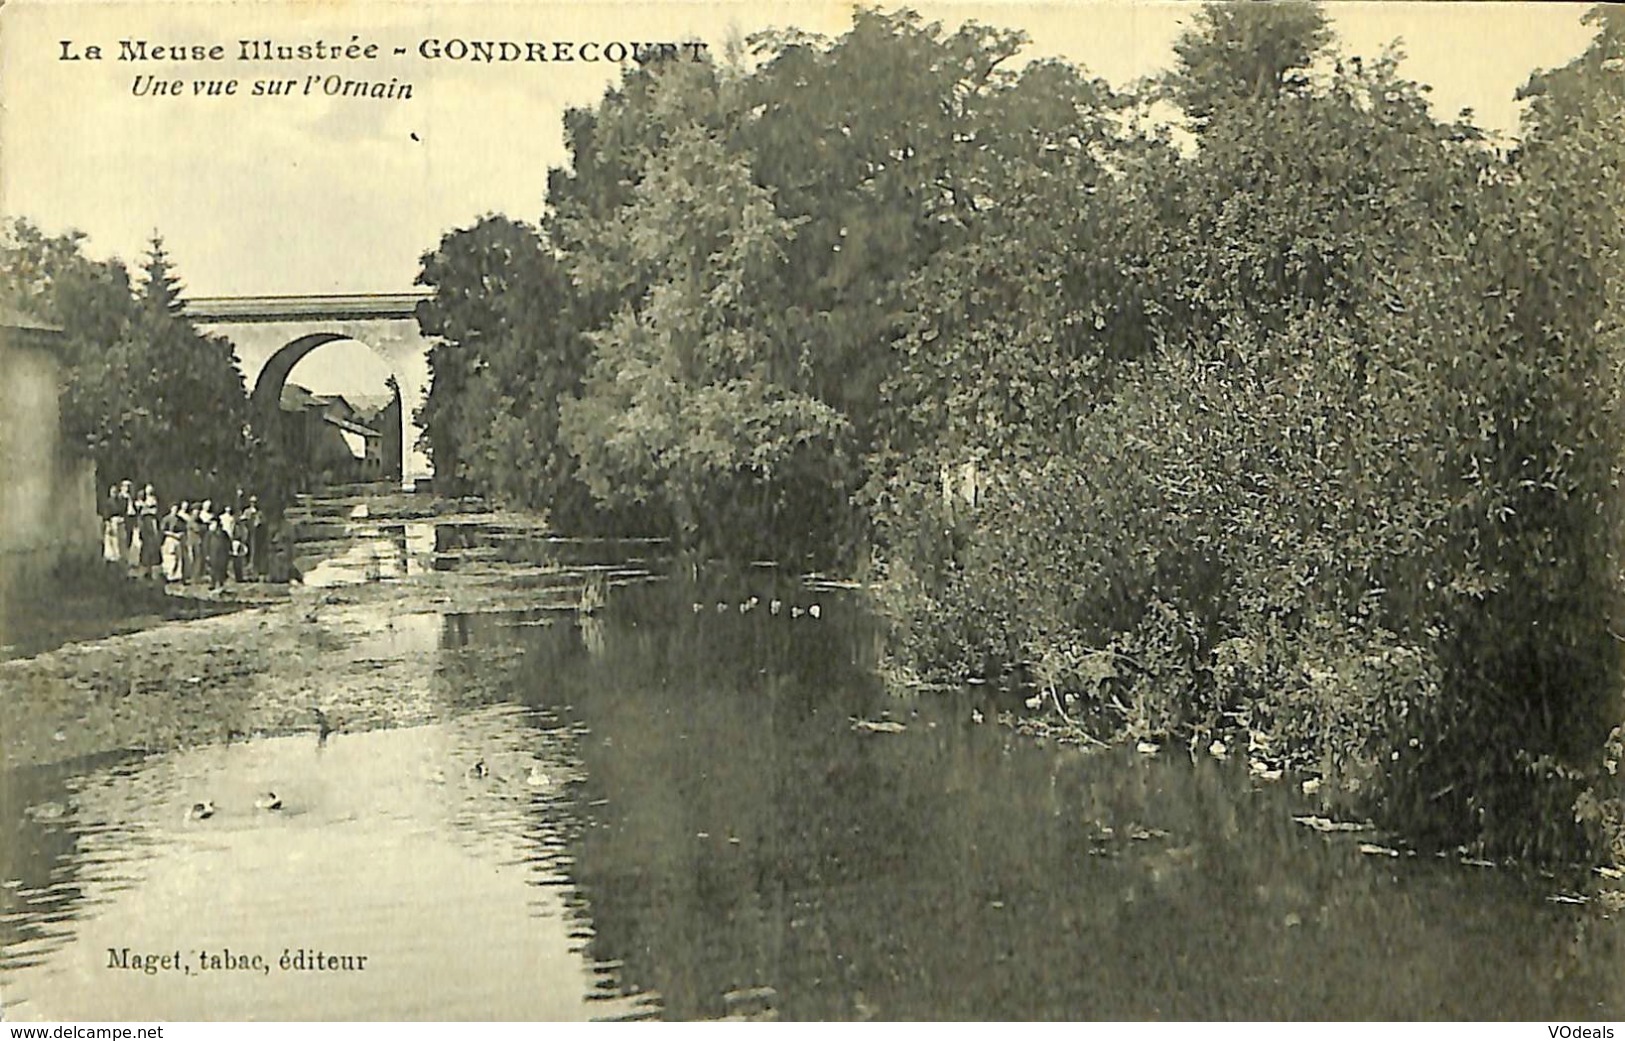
column 810, row 511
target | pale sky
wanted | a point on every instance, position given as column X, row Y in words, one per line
column 309, row 194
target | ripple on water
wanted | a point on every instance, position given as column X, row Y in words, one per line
column 367, row 857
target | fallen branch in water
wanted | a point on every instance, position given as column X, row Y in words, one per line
column 1322, row 824
column 877, row 726
column 1074, row 724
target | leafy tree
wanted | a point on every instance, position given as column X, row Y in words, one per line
column 506, row 353
column 1246, row 52
column 869, row 145
column 680, row 409
column 51, row 277
column 877, row 144
column 149, row 397
column 1010, row 321
column 610, row 146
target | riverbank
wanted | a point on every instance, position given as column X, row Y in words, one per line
column 259, row 660
column 93, row 603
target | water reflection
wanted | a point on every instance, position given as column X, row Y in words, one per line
column 666, row 809
column 749, row 842
column 360, row 551
column 483, row 543
column 452, row 886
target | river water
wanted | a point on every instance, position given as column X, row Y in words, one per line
column 665, row 811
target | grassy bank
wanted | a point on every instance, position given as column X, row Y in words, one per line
column 90, row 602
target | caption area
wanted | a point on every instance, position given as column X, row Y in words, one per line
column 224, row 959
column 331, row 85
column 358, row 54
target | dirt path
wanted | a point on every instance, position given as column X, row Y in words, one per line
column 368, row 656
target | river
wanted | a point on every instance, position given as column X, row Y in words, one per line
column 666, row 810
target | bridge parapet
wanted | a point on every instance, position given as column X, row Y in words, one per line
column 324, row 307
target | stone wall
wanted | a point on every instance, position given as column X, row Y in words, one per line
column 47, row 493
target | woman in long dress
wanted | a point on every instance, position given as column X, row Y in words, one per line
column 112, row 527
column 173, row 530
column 189, row 540
column 126, row 531
column 217, row 551
column 252, row 525
column 204, row 514
column 276, row 561
column 151, row 552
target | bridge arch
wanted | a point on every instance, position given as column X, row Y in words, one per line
column 267, row 392
column 272, row 334
column 265, row 400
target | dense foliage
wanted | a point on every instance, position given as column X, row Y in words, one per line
column 1295, row 424
column 149, row 397
column 1351, row 491
column 506, row 351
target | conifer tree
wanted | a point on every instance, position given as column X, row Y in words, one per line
column 161, row 289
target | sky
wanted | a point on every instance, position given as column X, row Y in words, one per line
column 318, row 194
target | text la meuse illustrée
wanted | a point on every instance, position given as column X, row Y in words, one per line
column 246, row 50
column 355, row 49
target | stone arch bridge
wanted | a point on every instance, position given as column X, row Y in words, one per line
column 272, row 334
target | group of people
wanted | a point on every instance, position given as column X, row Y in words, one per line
column 187, row 542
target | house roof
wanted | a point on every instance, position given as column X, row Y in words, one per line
column 333, row 399
column 300, row 399
column 296, row 398
column 352, row 427
column 22, row 329
column 11, row 318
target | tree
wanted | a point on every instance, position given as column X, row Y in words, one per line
column 50, row 276
column 680, row 410
column 506, row 352
column 160, row 288
column 1008, row 323
column 148, row 396
column 1250, row 51
column 871, row 144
